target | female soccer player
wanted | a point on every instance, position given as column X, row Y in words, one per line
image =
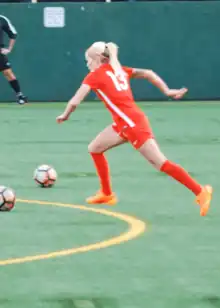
column 110, row 81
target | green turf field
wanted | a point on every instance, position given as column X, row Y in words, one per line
column 174, row 263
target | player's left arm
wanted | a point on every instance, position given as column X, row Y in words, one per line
column 157, row 81
column 10, row 30
column 79, row 96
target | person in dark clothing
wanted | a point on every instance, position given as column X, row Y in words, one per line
column 5, row 66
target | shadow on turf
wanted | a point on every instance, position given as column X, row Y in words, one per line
column 77, row 174
column 46, row 142
column 214, row 300
column 81, row 302
column 86, row 303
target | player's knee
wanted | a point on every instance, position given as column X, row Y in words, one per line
column 6, row 73
column 90, row 148
column 158, row 163
column 155, row 164
column 93, row 148
column 9, row 74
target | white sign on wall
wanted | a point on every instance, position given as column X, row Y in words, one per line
column 54, row 17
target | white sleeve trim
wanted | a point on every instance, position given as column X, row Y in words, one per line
column 11, row 27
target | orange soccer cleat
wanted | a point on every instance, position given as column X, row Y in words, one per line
column 204, row 199
column 101, row 198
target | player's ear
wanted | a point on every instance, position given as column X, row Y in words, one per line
column 104, row 59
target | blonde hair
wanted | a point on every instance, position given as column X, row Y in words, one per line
column 112, row 49
column 107, row 51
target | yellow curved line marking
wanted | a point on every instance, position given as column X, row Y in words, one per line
column 136, row 228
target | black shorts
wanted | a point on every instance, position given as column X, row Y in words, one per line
column 4, row 63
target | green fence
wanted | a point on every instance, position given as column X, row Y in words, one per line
column 179, row 40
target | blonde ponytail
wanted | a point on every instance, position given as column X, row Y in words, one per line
column 113, row 58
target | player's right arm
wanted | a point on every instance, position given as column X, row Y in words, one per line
column 79, row 96
column 90, row 82
column 157, row 81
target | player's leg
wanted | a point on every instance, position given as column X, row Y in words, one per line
column 151, row 151
column 106, row 140
column 12, row 80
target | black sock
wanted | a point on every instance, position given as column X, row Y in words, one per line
column 15, row 86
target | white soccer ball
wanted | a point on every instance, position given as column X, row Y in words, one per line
column 45, row 176
column 7, row 199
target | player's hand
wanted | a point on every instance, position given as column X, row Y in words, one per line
column 177, row 93
column 5, row 51
column 61, row 118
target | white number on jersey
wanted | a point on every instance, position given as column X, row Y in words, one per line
column 119, row 81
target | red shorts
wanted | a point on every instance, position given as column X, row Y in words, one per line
column 136, row 135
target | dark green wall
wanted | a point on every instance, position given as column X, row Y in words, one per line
column 179, row 40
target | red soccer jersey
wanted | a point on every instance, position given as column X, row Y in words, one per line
column 116, row 93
